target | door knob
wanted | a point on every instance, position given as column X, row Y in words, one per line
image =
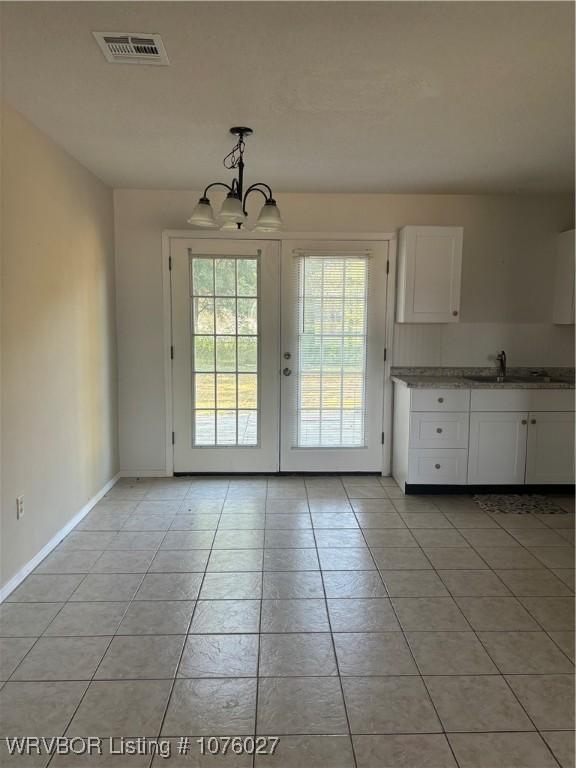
column 287, row 371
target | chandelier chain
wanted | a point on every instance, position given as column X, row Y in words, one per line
column 234, row 157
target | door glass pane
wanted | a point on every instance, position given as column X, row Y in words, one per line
column 226, row 427
column 225, row 316
column 225, row 353
column 247, row 427
column 248, row 354
column 204, row 353
column 247, row 390
column 203, row 277
column 225, row 277
column 203, row 315
column 247, row 277
column 247, row 316
column 205, row 427
column 204, row 390
column 332, row 311
column 226, row 390
column 225, row 365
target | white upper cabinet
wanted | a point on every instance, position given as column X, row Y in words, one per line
column 563, row 311
column 429, row 274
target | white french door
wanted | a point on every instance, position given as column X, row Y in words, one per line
column 249, row 398
column 225, row 328
column 333, row 340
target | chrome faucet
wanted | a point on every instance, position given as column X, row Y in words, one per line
column 501, row 358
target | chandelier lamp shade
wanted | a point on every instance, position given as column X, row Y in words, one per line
column 233, row 214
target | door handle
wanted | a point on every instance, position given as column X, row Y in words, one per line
column 287, row 371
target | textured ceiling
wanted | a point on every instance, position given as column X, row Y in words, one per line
column 343, row 97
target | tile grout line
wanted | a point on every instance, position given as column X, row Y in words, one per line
column 501, row 675
column 421, row 676
column 253, row 761
column 143, row 576
column 177, row 668
column 341, row 685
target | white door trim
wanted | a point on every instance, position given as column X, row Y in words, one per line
column 169, row 235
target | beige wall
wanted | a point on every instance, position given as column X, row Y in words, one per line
column 59, row 401
column 507, row 284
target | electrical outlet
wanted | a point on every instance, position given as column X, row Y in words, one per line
column 19, row 507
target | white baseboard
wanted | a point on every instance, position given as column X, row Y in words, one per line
column 144, row 473
column 19, row 577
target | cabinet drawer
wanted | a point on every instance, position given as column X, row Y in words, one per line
column 445, row 400
column 437, row 467
column 522, row 400
column 438, row 430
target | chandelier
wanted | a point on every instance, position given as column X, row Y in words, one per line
column 233, row 213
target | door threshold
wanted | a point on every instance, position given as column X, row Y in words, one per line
column 276, row 474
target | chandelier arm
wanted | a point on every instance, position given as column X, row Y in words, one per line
column 218, row 184
column 254, row 188
column 258, row 184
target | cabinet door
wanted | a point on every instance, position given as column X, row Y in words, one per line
column 550, row 448
column 429, row 275
column 497, row 451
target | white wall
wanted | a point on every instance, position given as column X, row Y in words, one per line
column 507, row 283
column 59, row 389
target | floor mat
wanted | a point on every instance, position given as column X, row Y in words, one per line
column 517, row 504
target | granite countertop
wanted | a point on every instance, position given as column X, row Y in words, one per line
column 464, row 378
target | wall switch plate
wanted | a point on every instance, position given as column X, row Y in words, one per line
column 19, row 507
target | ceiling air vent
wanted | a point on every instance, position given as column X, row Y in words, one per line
column 132, row 48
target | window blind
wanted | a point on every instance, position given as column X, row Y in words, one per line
column 332, row 293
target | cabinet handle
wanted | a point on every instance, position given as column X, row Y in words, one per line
column 455, row 312
column 532, row 421
column 439, row 430
column 524, row 421
column 440, row 399
column 437, row 466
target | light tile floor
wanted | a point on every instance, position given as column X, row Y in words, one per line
column 362, row 627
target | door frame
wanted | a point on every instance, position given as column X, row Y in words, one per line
column 169, row 235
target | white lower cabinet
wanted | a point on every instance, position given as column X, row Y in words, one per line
column 550, row 457
column 497, row 449
column 483, row 437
